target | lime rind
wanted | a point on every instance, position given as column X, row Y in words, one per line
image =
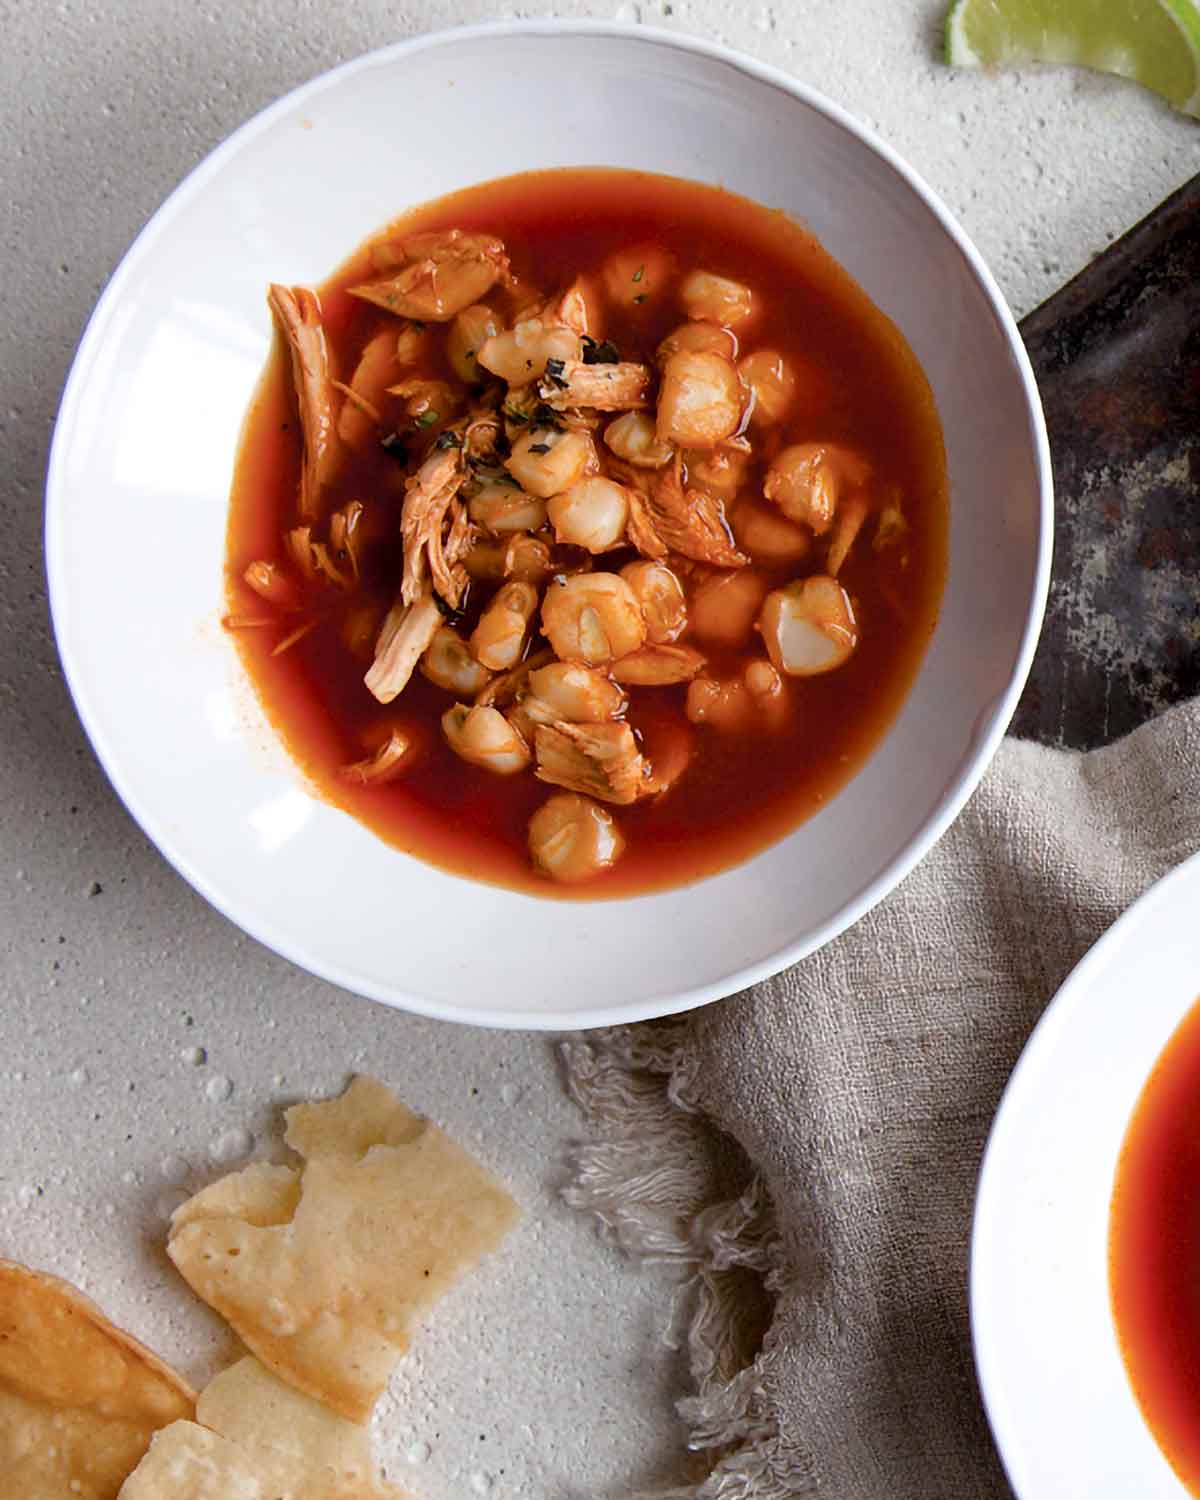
column 1187, row 18
column 959, row 52
column 1059, row 45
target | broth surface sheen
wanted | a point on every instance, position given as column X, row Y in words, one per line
column 858, row 384
column 1154, row 1251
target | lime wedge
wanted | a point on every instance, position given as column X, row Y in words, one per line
column 1155, row 42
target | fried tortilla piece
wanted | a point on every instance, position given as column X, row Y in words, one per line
column 79, row 1399
column 691, row 522
column 600, row 760
column 443, row 273
column 297, row 313
column 256, row 1437
column 615, row 387
column 390, row 1213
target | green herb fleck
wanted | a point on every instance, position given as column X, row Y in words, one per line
column 427, row 418
column 606, row 353
column 448, row 440
column 546, row 416
column 512, row 415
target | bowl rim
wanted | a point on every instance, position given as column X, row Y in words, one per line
column 970, row 771
column 1072, row 996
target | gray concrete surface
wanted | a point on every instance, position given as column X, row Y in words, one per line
column 141, row 1036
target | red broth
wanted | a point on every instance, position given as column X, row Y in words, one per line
column 858, row 384
column 1154, row 1251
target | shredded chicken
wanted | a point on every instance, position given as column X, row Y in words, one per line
column 690, row 522
column 574, row 307
column 442, row 274
column 297, row 312
column 270, row 582
column 344, row 527
column 616, row 387
column 359, row 402
column 388, row 762
column 298, row 634
column 429, row 401
column 312, row 560
column 403, row 640
column 428, row 500
column 247, row 622
column 601, row 760
column 640, row 528
column 481, row 435
column 850, row 519
column 460, row 538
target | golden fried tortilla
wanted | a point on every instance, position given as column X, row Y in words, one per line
column 324, row 1270
column 79, row 1399
column 255, row 1438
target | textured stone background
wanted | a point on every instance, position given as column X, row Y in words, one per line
column 141, row 1037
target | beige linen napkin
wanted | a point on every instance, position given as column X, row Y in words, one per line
column 860, row 1086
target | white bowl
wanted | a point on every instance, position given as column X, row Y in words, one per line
column 1061, row 1407
column 139, row 480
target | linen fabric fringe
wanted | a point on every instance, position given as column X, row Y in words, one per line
column 806, row 1152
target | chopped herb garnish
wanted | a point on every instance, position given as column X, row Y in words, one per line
column 546, row 416
column 393, row 445
column 513, row 415
column 539, row 448
column 639, row 273
column 555, row 375
column 448, row 440
column 641, row 297
column 427, row 418
column 606, row 353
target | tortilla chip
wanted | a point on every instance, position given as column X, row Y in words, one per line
column 79, row 1399
column 391, row 1212
column 368, row 1114
column 262, row 1195
column 255, row 1438
column 186, row 1462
